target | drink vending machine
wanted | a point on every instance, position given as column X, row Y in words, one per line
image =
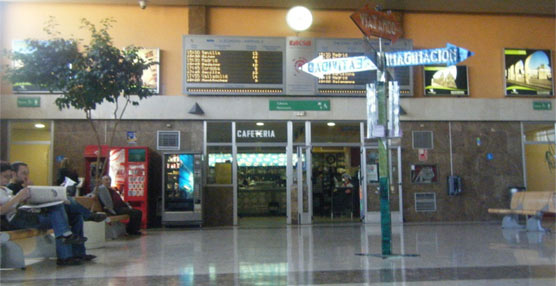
column 181, row 199
column 129, row 170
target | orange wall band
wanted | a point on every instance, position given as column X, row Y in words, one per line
column 163, row 26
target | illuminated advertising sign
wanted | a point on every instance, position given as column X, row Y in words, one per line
column 442, row 80
column 528, row 72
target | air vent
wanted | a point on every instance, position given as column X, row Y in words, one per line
column 422, row 140
column 425, row 202
column 168, row 140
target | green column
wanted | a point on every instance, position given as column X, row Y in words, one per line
column 384, row 165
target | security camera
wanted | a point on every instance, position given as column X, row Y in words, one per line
column 142, row 4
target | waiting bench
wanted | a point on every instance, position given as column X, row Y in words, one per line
column 533, row 205
column 115, row 225
column 16, row 245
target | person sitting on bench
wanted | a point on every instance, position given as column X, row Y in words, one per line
column 21, row 180
column 114, row 205
column 68, row 228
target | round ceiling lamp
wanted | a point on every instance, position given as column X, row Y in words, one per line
column 299, row 18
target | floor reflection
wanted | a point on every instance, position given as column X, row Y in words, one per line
column 309, row 254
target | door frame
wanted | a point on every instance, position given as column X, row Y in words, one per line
column 374, row 216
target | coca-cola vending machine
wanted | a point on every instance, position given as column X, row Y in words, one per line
column 129, row 169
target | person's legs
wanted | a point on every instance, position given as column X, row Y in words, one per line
column 76, row 223
column 135, row 216
column 55, row 217
column 76, row 208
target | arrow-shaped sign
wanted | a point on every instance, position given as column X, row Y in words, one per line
column 450, row 55
column 320, row 66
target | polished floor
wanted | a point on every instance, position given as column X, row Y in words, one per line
column 326, row 254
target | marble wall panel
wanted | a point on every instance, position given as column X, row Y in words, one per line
column 486, row 155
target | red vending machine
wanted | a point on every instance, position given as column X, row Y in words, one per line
column 129, row 169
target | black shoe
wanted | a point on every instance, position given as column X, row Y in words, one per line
column 68, row 261
column 73, row 239
column 87, row 257
column 97, row 217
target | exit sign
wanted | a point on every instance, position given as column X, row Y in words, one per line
column 542, row 105
column 34, row 101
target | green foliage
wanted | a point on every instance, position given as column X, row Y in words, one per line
column 85, row 76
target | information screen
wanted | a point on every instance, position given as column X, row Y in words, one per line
column 351, row 78
column 222, row 65
column 353, row 84
column 245, row 67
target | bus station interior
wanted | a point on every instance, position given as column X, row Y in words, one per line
column 273, row 207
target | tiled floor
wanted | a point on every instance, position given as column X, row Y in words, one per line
column 338, row 254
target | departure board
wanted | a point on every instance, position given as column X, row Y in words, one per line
column 222, row 65
column 349, row 78
column 353, row 84
column 246, row 67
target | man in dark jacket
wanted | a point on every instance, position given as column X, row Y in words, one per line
column 114, row 205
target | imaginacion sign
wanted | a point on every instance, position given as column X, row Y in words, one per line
column 450, row 55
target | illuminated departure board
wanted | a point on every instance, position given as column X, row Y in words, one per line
column 248, row 67
column 353, row 84
column 349, row 78
column 221, row 65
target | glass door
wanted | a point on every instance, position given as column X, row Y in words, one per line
column 261, row 184
column 302, row 171
column 370, row 193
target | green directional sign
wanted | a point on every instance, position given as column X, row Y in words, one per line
column 542, row 105
column 34, row 101
column 299, row 105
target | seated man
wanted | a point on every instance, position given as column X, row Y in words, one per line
column 68, row 228
column 114, row 205
column 21, row 180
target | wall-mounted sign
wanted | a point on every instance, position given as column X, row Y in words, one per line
column 151, row 76
column 34, row 101
column 450, row 55
column 423, row 174
column 320, row 66
column 131, row 137
column 528, row 72
column 542, row 105
column 299, row 105
column 256, row 134
column 379, row 24
column 423, row 155
column 442, row 80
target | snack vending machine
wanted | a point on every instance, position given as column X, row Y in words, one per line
column 181, row 199
column 129, row 170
